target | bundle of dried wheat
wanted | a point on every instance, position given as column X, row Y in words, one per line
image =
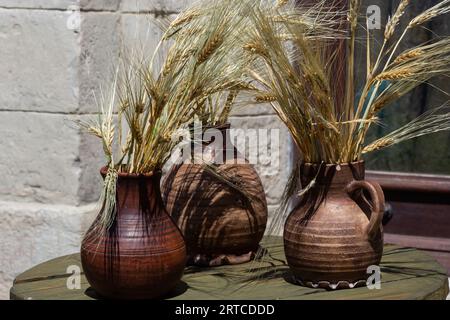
column 295, row 70
column 139, row 121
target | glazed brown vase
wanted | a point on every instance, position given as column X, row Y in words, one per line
column 143, row 254
column 335, row 233
column 220, row 225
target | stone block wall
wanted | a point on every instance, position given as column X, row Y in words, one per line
column 54, row 54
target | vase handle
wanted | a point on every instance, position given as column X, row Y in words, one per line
column 377, row 196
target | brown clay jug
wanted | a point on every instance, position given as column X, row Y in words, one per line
column 220, row 224
column 143, row 254
column 334, row 234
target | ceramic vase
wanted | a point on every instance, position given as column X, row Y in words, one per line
column 335, row 233
column 221, row 225
column 143, row 254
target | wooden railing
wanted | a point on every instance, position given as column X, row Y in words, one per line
column 421, row 211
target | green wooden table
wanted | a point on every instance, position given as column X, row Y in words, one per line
column 406, row 274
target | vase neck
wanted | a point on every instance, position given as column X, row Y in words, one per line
column 215, row 144
column 141, row 192
column 332, row 177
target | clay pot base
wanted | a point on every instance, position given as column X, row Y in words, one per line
column 330, row 286
column 207, row 260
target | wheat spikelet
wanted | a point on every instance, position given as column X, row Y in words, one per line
column 265, row 98
column 190, row 32
column 393, row 22
column 224, row 113
column 353, row 13
column 421, row 19
column 409, row 55
column 210, row 47
column 90, row 128
column 168, row 65
column 182, row 23
column 281, row 3
column 256, row 48
column 95, row 132
column 371, row 120
column 394, row 75
column 174, row 60
column 230, row 99
column 244, row 86
column 108, row 138
column 165, row 99
column 187, row 17
column 430, row 122
column 214, row 90
column 441, row 8
column 128, row 142
column 381, row 102
column 377, row 145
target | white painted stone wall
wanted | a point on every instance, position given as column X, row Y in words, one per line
column 52, row 58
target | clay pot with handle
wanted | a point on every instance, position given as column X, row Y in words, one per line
column 143, row 255
column 335, row 233
column 221, row 224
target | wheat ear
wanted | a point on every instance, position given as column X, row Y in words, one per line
column 378, row 144
column 394, row 75
column 393, row 22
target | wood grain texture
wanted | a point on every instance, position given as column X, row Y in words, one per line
column 413, row 183
column 420, row 205
column 143, row 254
column 406, row 274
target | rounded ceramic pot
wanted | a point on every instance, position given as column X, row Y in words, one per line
column 220, row 224
column 143, row 254
column 334, row 234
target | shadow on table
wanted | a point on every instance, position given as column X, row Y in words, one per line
column 402, row 269
column 233, row 278
column 178, row 291
column 405, row 268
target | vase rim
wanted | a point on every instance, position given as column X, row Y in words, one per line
column 330, row 165
column 104, row 171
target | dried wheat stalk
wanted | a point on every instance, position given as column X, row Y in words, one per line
column 153, row 103
column 292, row 69
column 393, row 22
